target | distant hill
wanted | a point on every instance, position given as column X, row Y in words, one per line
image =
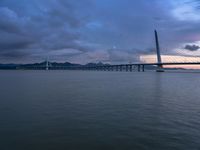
column 42, row 65
column 8, row 66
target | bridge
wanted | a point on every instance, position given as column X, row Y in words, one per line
column 140, row 67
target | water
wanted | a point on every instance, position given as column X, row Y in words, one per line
column 80, row 110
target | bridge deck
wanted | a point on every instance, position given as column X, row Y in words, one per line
column 165, row 63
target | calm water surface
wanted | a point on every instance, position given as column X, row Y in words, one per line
column 80, row 110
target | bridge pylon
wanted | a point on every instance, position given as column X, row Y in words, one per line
column 159, row 60
column 47, row 64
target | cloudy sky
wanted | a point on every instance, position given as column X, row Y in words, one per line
column 82, row 31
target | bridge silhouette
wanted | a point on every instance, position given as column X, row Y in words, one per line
column 140, row 67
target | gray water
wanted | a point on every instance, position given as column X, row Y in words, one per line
column 80, row 110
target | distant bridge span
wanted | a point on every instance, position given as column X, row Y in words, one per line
column 128, row 67
column 118, row 67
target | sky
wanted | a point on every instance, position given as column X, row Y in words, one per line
column 110, row 31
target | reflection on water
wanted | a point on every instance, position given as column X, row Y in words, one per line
column 99, row 110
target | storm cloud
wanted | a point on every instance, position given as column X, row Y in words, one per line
column 192, row 47
column 80, row 31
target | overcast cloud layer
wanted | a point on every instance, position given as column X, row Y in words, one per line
column 82, row 31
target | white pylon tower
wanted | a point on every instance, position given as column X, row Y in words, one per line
column 47, row 63
column 159, row 60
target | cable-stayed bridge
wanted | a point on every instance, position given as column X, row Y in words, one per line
column 157, row 64
column 170, row 61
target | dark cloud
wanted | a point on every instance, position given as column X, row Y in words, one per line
column 192, row 47
column 87, row 30
column 14, row 45
column 49, row 26
column 8, row 21
column 14, row 54
column 118, row 55
column 195, row 2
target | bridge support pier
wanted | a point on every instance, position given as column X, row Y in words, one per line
column 131, row 68
column 112, row 69
column 160, row 68
column 126, row 68
column 120, row 68
column 138, row 68
column 116, row 68
column 142, row 68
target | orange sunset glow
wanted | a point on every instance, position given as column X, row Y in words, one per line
column 172, row 59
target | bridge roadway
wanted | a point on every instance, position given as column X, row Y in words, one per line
column 123, row 67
